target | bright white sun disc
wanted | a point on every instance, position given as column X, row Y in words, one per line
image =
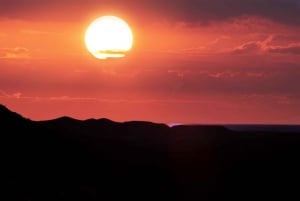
column 108, row 37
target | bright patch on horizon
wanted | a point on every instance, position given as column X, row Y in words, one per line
column 108, row 37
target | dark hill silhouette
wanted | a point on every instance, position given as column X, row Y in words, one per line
column 8, row 117
column 99, row 159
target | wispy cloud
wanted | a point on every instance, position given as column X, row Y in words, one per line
column 289, row 49
column 19, row 95
column 238, row 74
column 14, row 53
column 246, row 48
column 253, row 46
column 15, row 95
column 256, row 47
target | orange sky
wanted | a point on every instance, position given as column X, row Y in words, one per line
column 220, row 66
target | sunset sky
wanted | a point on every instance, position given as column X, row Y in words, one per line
column 193, row 61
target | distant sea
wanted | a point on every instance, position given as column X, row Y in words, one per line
column 251, row 127
column 264, row 128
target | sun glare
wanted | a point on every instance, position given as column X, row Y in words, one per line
column 108, row 37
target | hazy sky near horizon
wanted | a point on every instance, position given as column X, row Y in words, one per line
column 193, row 61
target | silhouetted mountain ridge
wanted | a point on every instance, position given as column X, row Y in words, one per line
column 99, row 159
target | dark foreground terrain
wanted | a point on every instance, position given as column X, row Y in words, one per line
column 68, row 159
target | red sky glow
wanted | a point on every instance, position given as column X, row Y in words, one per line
column 192, row 61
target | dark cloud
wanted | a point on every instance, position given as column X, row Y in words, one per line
column 191, row 11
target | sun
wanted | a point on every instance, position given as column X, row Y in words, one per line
column 108, row 37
